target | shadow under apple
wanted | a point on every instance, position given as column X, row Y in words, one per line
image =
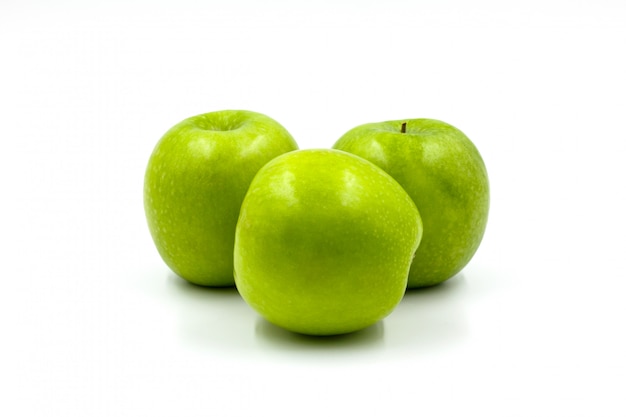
column 426, row 319
column 430, row 318
column 210, row 317
column 278, row 337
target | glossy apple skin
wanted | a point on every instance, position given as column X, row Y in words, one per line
column 324, row 242
column 443, row 172
column 194, row 184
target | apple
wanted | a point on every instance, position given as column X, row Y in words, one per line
column 196, row 179
column 443, row 172
column 324, row 242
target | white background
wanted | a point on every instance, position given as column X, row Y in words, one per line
column 94, row 324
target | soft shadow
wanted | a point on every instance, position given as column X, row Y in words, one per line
column 198, row 291
column 427, row 319
column 431, row 317
column 275, row 336
column 451, row 284
column 210, row 317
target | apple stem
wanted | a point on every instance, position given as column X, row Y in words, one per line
column 403, row 128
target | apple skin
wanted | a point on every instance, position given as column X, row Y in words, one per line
column 324, row 242
column 196, row 179
column 443, row 172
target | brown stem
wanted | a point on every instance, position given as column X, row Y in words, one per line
column 403, row 128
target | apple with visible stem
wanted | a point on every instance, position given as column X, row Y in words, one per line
column 324, row 242
column 443, row 172
column 196, row 179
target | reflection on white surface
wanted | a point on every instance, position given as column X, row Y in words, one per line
column 426, row 320
column 274, row 337
column 209, row 319
column 430, row 319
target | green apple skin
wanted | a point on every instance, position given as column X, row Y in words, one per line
column 196, row 179
column 324, row 242
column 443, row 172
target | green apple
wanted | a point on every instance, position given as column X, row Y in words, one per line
column 324, row 242
column 445, row 175
column 194, row 184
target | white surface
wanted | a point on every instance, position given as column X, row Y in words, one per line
column 94, row 324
